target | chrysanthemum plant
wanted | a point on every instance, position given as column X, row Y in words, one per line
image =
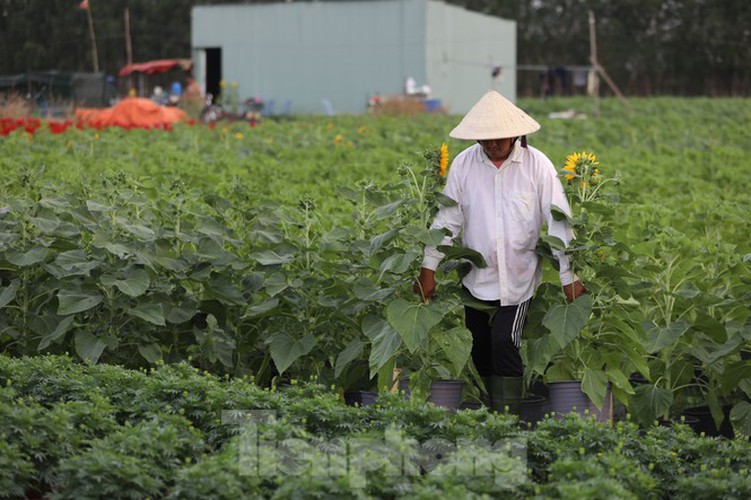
column 594, row 339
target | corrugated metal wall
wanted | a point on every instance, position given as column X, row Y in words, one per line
column 343, row 52
column 462, row 48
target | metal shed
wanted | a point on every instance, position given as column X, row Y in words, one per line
column 332, row 56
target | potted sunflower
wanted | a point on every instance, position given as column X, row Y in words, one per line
column 585, row 349
column 423, row 343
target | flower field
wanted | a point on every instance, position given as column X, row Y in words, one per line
column 196, row 269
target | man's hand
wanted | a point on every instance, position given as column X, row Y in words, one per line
column 574, row 290
column 425, row 286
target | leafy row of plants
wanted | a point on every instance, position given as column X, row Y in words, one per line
column 662, row 328
column 117, row 274
column 261, row 254
column 76, row 430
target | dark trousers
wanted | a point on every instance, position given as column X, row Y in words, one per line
column 496, row 338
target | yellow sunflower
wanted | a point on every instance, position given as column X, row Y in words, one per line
column 443, row 162
column 581, row 165
column 572, row 161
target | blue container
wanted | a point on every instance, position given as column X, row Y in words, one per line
column 432, row 105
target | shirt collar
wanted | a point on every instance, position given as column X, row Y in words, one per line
column 516, row 152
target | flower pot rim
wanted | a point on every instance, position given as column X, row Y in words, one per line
column 534, row 397
column 609, row 384
column 451, row 380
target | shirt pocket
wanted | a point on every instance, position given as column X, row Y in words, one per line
column 522, row 209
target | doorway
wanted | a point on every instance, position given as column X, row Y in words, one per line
column 213, row 70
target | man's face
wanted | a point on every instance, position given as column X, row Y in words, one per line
column 497, row 149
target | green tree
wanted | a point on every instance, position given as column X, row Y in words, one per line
column 647, row 46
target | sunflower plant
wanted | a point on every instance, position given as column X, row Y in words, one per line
column 423, row 340
column 595, row 338
column 593, row 207
column 424, row 189
column 582, row 171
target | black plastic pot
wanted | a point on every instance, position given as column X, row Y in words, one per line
column 533, row 409
column 540, row 389
column 470, row 405
column 444, row 393
column 637, row 379
column 706, row 424
column 692, row 422
column 360, row 398
column 567, row 397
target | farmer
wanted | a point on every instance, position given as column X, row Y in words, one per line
column 504, row 191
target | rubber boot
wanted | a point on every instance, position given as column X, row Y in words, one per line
column 506, row 393
column 496, row 394
column 512, row 394
column 486, row 397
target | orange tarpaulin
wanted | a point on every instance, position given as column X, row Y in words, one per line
column 132, row 112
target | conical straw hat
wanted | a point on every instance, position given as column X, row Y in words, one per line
column 494, row 117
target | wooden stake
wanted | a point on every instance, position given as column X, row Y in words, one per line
column 612, row 85
column 128, row 48
column 94, row 54
column 599, row 70
column 593, row 61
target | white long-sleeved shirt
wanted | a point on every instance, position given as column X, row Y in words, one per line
column 500, row 213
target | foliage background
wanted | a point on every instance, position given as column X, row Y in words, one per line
column 649, row 47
